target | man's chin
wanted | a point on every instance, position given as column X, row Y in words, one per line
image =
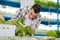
column 31, row 18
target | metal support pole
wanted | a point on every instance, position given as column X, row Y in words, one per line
column 57, row 14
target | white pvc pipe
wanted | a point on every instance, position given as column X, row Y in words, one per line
column 26, row 3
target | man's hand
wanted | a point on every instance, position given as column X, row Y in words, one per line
column 33, row 29
column 1, row 17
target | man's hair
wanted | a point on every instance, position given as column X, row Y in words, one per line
column 36, row 8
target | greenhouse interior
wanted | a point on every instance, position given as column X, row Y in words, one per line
column 13, row 29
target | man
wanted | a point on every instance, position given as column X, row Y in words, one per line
column 31, row 16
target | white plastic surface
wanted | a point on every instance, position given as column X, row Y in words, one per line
column 7, row 30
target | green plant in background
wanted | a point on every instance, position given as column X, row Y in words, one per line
column 51, row 4
column 51, row 33
column 46, row 3
column 57, row 34
column 37, row 1
column 40, row 2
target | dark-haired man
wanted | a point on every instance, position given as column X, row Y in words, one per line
column 31, row 16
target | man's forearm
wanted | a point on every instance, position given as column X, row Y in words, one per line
column 1, row 17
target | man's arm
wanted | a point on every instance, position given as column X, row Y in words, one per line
column 1, row 17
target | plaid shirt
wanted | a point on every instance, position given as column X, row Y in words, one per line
column 28, row 22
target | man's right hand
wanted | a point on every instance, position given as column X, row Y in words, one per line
column 1, row 17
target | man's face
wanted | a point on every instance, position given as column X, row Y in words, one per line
column 32, row 14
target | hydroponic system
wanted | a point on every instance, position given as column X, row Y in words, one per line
column 50, row 22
